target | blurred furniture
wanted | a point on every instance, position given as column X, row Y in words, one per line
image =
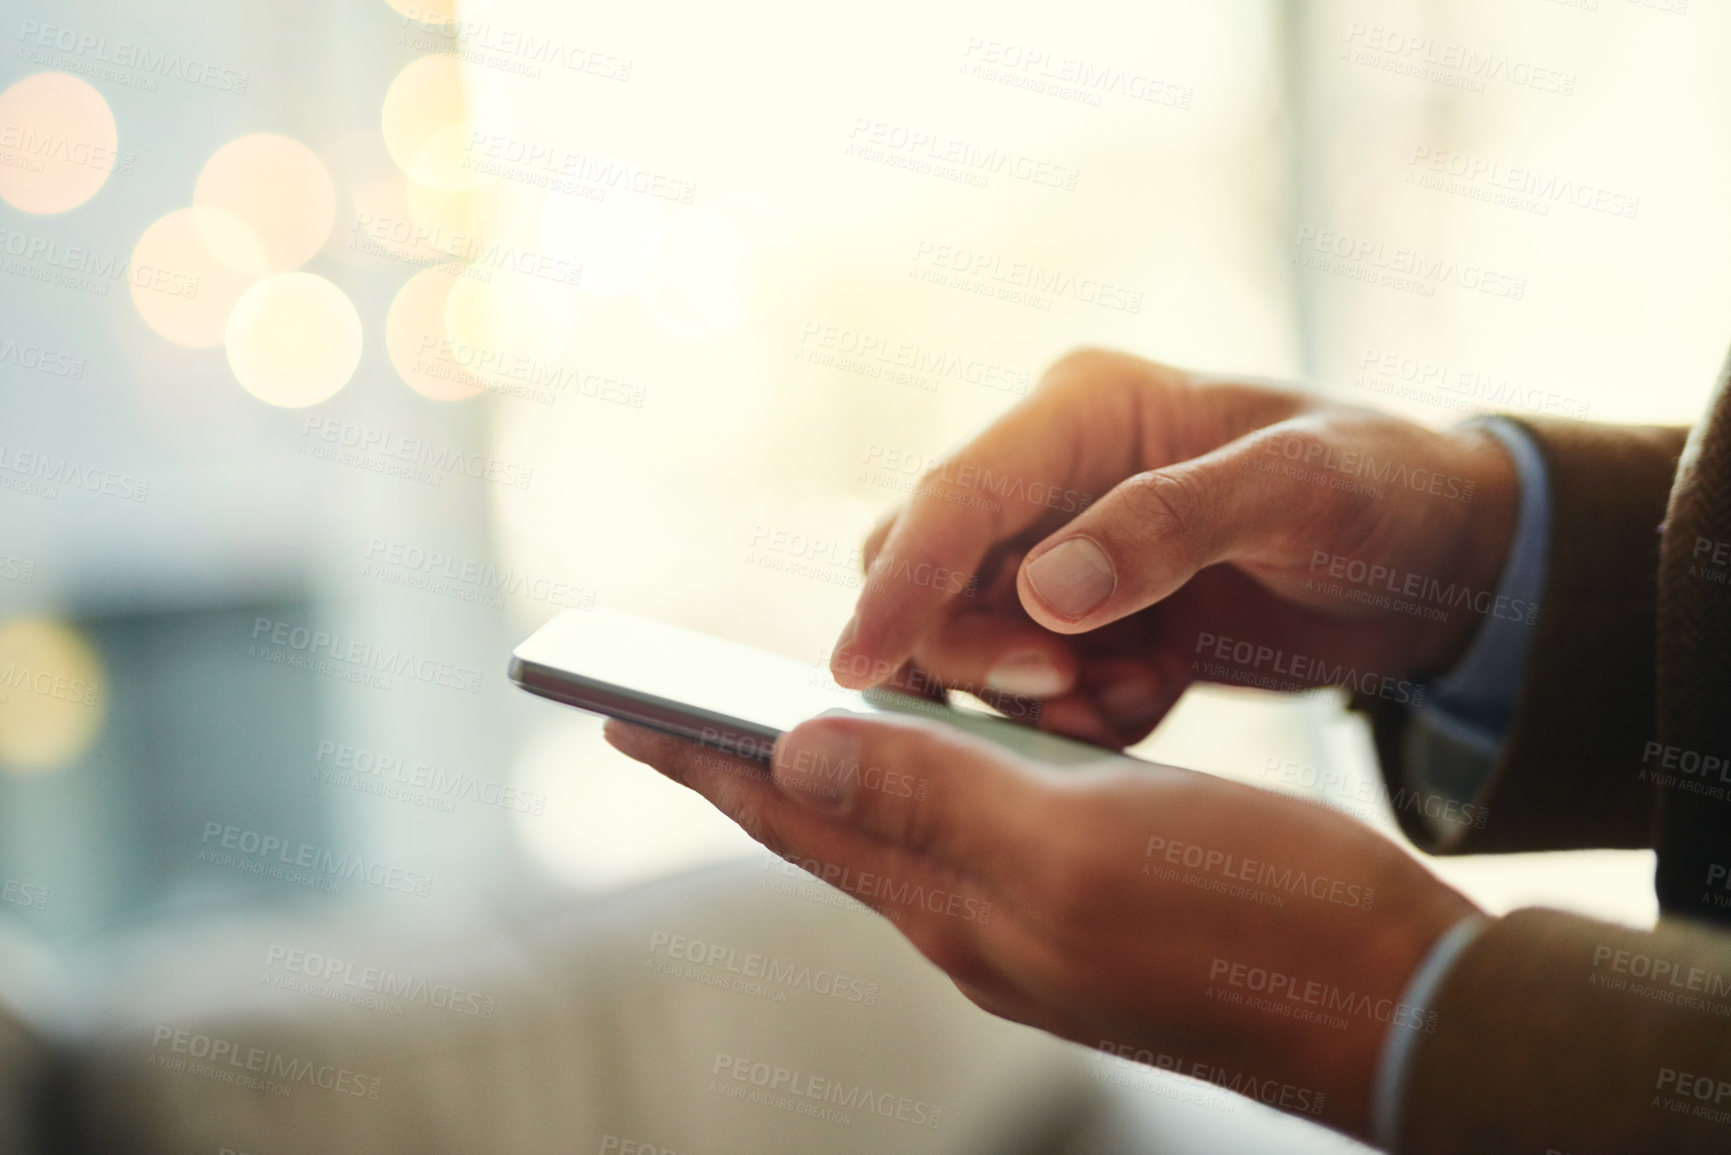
column 572, row 1028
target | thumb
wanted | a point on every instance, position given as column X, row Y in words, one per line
column 923, row 787
column 1154, row 531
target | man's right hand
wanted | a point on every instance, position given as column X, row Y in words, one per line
column 1238, row 532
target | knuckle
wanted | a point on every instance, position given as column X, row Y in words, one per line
column 874, row 542
column 1166, row 505
column 906, row 822
column 946, row 948
column 1313, row 512
column 1088, row 366
column 759, row 820
column 1083, row 361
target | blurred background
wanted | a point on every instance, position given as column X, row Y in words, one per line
column 342, row 345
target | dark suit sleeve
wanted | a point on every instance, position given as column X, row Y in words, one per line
column 1568, row 775
column 1560, row 1033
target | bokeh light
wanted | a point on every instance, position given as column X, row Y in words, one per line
column 383, row 219
column 415, row 336
column 293, row 340
column 279, row 187
column 508, row 321
column 375, row 219
column 52, row 694
column 430, row 111
column 188, row 270
column 461, row 221
column 58, row 143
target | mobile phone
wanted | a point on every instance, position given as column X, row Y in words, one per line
column 725, row 695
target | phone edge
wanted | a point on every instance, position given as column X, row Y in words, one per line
column 721, row 732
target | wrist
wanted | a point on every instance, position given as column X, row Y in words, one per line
column 1484, row 534
column 1399, row 1047
column 1400, row 952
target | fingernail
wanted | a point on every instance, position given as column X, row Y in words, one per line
column 821, row 769
column 1030, row 675
column 1072, row 578
column 838, row 656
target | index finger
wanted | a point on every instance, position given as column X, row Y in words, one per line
column 1043, row 460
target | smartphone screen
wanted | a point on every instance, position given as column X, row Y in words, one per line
column 722, row 694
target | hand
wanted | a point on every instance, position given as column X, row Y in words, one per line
column 1238, row 533
column 1126, row 905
